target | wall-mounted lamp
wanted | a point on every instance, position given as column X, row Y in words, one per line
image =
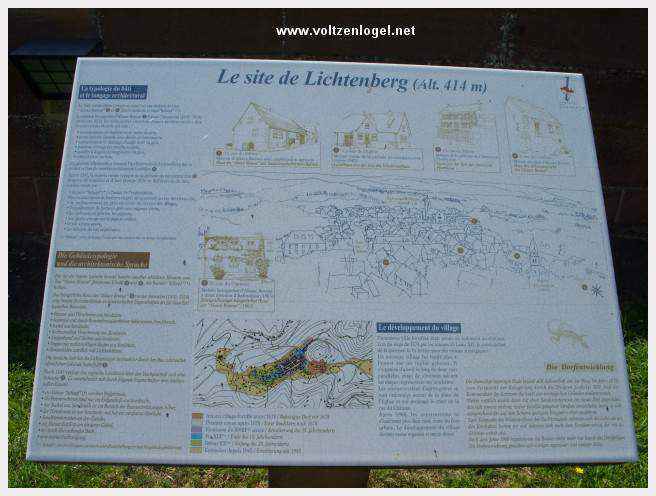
column 48, row 66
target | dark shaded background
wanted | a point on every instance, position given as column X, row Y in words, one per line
column 609, row 47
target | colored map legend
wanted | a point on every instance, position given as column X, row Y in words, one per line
column 196, row 438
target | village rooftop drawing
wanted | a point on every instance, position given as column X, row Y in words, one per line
column 406, row 243
column 259, row 128
column 533, row 130
column 388, row 130
column 461, row 240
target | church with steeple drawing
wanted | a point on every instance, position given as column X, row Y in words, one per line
column 537, row 273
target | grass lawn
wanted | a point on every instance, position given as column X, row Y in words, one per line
column 22, row 349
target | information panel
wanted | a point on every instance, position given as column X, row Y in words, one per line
column 302, row 263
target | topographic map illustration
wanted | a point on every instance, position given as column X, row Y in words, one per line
column 283, row 363
column 391, row 238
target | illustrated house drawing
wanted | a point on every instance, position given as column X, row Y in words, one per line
column 388, row 130
column 534, row 130
column 464, row 124
column 261, row 129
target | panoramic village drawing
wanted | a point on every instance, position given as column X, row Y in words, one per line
column 261, row 129
column 399, row 251
column 351, row 237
